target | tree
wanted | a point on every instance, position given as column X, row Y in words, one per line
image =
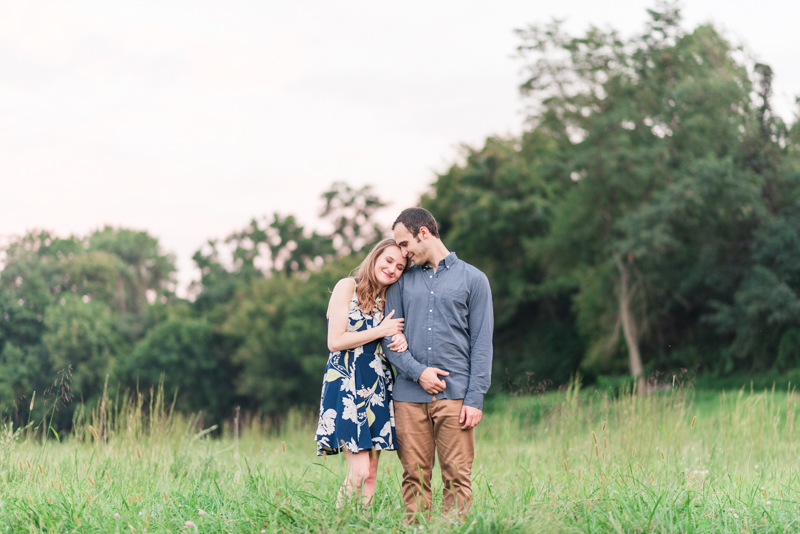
column 82, row 334
column 187, row 354
column 74, row 303
column 351, row 213
column 638, row 123
column 279, row 244
column 280, row 326
column 145, row 272
column 491, row 209
column 267, row 305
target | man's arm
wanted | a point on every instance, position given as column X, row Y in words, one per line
column 403, row 361
column 481, row 327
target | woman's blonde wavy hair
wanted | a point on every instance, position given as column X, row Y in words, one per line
column 368, row 290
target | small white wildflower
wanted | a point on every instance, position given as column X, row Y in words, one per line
column 756, row 467
column 730, row 510
column 769, row 502
column 491, row 485
column 762, row 488
column 263, row 531
column 200, row 512
column 189, row 524
column 116, row 515
column 736, row 516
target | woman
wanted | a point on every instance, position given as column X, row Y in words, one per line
column 356, row 415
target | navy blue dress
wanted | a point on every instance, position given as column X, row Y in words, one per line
column 356, row 411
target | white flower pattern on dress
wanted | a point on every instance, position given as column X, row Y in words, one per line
column 349, row 412
column 325, row 427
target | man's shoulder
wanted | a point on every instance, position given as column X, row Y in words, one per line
column 472, row 272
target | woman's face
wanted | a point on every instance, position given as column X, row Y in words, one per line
column 389, row 266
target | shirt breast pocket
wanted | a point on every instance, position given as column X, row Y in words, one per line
column 455, row 301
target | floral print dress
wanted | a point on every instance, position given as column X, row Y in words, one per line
column 356, row 411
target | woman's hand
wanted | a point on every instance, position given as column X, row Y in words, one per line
column 399, row 343
column 390, row 327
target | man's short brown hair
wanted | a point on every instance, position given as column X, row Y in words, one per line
column 415, row 218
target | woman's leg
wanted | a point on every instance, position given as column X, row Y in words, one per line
column 362, row 470
column 372, row 475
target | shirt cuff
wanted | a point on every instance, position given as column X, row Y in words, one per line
column 474, row 400
column 416, row 371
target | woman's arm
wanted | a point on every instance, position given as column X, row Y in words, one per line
column 339, row 317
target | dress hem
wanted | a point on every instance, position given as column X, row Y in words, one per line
column 333, row 452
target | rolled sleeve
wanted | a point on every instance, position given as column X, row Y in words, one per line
column 404, row 362
column 481, row 327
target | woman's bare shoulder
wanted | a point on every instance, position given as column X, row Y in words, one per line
column 345, row 284
column 343, row 290
column 342, row 293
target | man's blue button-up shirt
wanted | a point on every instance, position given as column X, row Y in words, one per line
column 449, row 325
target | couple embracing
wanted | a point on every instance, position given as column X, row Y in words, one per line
column 433, row 322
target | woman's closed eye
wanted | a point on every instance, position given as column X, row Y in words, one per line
column 390, row 260
column 400, row 265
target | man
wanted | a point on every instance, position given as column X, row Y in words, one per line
column 446, row 371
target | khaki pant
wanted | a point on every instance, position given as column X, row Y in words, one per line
column 423, row 429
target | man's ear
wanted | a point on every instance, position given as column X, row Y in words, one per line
column 424, row 233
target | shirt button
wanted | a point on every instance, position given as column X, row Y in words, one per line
column 431, row 292
column 428, row 328
column 429, row 348
column 430, row 311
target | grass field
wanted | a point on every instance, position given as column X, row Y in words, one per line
column 673, row 461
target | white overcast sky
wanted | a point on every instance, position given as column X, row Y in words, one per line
column 187, row 118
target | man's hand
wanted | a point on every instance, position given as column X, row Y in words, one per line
column 470, row 417
column 430, row 381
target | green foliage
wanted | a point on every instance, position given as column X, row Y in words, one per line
column 269, row 305
column 683, row 185
column 74, row 306
column 491, row 211
column 183, row 352
column 83, row 335
column 22, row 368
column 141, row 265
column 282, row 332
column 77, row 310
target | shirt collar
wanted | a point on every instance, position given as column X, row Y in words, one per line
column 448, row 261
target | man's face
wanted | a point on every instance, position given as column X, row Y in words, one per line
column 413, row 248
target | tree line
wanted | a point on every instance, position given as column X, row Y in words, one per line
column 646, row 220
